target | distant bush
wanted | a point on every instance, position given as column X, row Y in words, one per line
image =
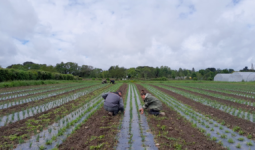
column 195, row 78
column 13, row 74
column 160, row 79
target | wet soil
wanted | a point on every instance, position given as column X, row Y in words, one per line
column 173, row 131
column 222, row 101
column 218, row 115
column 100, row 130
column 36, row 103
column 20, row 128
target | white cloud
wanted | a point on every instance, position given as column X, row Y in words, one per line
column 178, row 33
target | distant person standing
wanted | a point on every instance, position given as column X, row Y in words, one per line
column 151, row 103
column 113, row 102
column 112, row 81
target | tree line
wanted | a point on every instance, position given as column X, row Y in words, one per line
column 144, row 72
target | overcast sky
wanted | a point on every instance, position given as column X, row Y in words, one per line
column 129, row 33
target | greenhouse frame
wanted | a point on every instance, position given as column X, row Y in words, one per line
column 236, row 77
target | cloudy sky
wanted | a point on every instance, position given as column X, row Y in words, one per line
column 129, row 33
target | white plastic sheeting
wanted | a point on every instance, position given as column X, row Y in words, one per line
column 236, row 77
column 221, row 77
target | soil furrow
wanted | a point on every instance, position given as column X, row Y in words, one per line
column 25, row 128
column 222, row 101
column 174, row 132
column 231, row 121
column 36, row 103
column 99, row 131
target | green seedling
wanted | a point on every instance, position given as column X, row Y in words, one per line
column 249, row 136
column 240, row 139
column 236, row 128
column 214, row 138
column 249, row 143
column 238, row 145
column 224, row 136
column 226, row 131
column 231, row 141
column 241, row 132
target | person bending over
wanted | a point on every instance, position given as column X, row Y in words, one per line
column 112, row 81
column 113, row 102
column 151, row 103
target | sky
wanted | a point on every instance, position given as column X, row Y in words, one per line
column 129, row 33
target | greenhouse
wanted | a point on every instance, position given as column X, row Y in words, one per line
column 221, row 77
column 236, row 77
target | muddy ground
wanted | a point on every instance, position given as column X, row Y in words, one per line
column 99, row 132
column 173, row 132
column 218, row 115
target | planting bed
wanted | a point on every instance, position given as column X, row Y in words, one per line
column 71, row 116
column 19, row 131
column 239, row 125
column 98, row 132
column 174, row 132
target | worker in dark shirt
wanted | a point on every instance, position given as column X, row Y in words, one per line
column 112, row 81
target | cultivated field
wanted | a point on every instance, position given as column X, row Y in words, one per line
column 71, row 116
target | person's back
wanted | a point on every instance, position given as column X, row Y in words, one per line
column 113, row 102
column 152, row 102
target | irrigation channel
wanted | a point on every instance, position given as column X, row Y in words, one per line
column 135, row 133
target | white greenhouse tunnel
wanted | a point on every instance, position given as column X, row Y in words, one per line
column 236, row 77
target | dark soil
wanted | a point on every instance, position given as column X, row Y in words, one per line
column 98, row 125
column 222, row 101
column 20, row 128
column 36, row 103
column 218, row 115
column 178, row 132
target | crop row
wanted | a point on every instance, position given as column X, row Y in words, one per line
column 12, row 135
column 16, row 116
column 35, row 91
column 211, row 128
column 56, row 133
column 241, row 113
column 37, row 97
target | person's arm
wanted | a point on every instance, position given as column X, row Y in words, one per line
column 105, row 95
column 121, row 103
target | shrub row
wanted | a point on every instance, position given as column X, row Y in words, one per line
column 13, row 74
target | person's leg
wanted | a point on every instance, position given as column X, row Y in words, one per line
column 117, row 111
column 154, row 112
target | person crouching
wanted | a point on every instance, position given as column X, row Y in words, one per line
column 113, row 102
column 151, row 103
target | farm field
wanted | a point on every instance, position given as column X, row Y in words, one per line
column 71, row 116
